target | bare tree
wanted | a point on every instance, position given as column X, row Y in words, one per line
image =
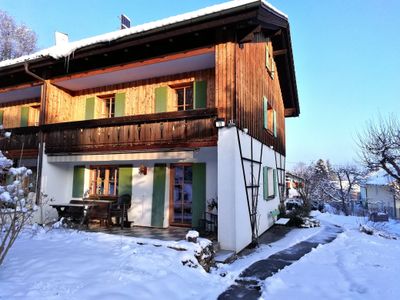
column 16, row 207
column 15, row 40
column 347, row 178
column 380, row 147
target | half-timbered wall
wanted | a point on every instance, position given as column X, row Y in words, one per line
column 253, row 82
column 139, row 96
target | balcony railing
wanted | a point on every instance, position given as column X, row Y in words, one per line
column 162, row 130
column 22, row 139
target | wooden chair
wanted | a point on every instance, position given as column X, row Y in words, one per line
column 101, row 212
column 120, row 209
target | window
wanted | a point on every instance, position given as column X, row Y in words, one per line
column 269, row 183
column 184, row 97
column 103, row 181
column 107, row 106
column 269, row 116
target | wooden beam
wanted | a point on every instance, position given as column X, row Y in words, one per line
column 20, row 102
column 136, row 64
column 290, row 112
column 280, row 52
column 176, row 145
column 26, row 153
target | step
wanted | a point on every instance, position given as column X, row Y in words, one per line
column 225, row 256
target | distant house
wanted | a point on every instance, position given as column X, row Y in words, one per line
column 293, row 183
column 175, row 114
column 378, row 195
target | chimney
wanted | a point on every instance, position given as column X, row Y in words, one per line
column 125, row 22
column 61, row 38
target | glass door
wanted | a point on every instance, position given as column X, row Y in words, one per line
column 181, row 202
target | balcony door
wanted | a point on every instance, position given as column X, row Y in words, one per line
column 181, row 195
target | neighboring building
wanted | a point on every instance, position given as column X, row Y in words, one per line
column 153, row 112
column 378, row 195
column 293, row 183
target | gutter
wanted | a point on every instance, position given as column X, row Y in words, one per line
column 41, row 139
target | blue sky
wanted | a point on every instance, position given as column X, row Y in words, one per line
column 346, row 57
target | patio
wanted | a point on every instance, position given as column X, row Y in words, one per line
column 165, row 234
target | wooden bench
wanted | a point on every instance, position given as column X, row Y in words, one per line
column 75, row 212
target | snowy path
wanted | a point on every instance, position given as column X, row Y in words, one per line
column 250, row 281
column 354, row 266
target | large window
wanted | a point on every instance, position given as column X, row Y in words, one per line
column 107, row 106
column 184, row 97
column 103, row 181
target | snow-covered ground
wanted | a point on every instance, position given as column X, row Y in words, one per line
column 66, row 264
column 354, row 266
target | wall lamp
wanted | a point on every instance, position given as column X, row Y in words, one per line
column 219, row 122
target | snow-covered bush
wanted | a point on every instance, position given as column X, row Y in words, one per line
column 16, row 205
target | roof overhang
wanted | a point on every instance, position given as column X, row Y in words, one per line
column 24, row 93
column 189, row 31
column 138, row 71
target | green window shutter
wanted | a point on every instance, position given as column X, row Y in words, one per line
column 119, row 104
column 161, row 99
column 275, row 181
column 24, row 116
column 265, row 183
column 199, row 193
column 125, row 181
column 265, row 112
column 275, row 127
column 157, row 209
column 89, row 108
column 200, row 94
column 78, row 181
column 1, row 116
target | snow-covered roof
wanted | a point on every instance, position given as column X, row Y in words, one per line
column 379, row 178
column 65, row 50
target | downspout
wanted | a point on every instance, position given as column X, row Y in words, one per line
column 41, row 138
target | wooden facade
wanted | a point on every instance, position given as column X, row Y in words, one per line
column 236, row 87
column 139, row 96
column 254, row 81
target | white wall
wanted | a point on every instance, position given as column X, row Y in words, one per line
column 57, row 185
column 58, row 178
column 234, row 230
column 381, row 197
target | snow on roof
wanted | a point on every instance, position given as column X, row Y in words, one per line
column 68, row 49
column 379, row 178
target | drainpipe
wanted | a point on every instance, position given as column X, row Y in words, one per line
column 41, row 138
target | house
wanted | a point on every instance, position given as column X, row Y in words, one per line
column 173, row 113
column 293, row 183
column 378, row 194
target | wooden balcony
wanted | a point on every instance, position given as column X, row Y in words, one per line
column 24, row 139
column 183, row 129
